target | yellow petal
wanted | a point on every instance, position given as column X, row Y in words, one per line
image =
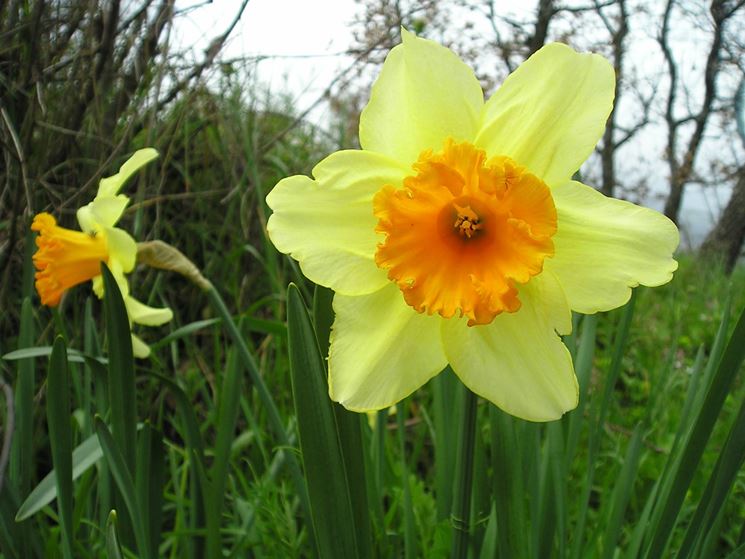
column 110, row 186
column 328, row 225
column 604, row 247
column 122, row 248
column 115, row 267
column 139, row 348
column 102, row 212
column 550, row 112
column 381, row 350
column 423, row 95
column 518, row 362
column 139, row 313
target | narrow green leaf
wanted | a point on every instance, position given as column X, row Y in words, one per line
column 622, row 492
column 719, row 387
column 509, row 505
column 22, row 451
column 330, row 500
column 124, row 482
column 113, row 549
column 489, row 546
column 83, row 457
column 73, row 355
column 60, row 439
column 122, row 395
column 583, row 368
column 446, row 409
column 720, row 482
column 230, row 394
column 464, row 478
column 323, row 316
column 275, row 421
column 149, row 481
column 738, row 553
column 410, row 547
column 349, row 429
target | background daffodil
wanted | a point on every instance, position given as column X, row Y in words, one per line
column 66, row 258
column 456, row 235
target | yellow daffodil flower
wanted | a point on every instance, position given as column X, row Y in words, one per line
column 66, row 258
column 456, row 235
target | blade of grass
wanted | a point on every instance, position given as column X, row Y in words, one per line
column 722, row 379
column 446, row 389
column 149, row 483
column 622, row 492
column 60, row 439
column 464, row 478
column 598, row 421
column 720, row 482
column 122, row 395
column 230, row 394
column 113, row 549
column 21, row 458
column 84, row 456
column 275, row 420
column 330, row 498
column 408, row 507
column 124, row 482
column 509, row 505
column 349, row 425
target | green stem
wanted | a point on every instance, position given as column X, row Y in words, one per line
column 464, row 478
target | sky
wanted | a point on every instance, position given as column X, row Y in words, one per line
column 302, row 42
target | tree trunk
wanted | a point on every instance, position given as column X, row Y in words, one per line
column 726, row 239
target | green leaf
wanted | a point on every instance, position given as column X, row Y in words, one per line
column 622, row 492
column 720, row 482
column 124, row 482
column 149, row 482
column 408, row 505
column 349, row 427
column 22, row 451
column 273, row 417
column 330, row 499
column 464, row 478
column 691, row 454
column 230, row 394
column 83, row 457
column 509, row 501
column 73, row 355
column 113, row 549
column 122, row 395
column 60, row 439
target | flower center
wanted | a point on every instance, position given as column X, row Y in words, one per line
column 64, row 258
column 464, row 232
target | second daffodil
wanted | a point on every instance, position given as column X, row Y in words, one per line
column 456, row 235
column 66, row 258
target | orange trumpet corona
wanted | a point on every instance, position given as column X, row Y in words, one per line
column 464, row 232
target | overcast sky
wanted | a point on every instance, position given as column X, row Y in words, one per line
column 303, row 39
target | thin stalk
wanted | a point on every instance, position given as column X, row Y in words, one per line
column 464, row 479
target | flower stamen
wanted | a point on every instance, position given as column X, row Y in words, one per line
column 464, row 232
column 467, row 223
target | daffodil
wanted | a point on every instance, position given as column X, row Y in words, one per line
column 66, row 258
column 457, row 236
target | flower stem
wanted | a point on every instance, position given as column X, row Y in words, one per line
column 461, row 516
